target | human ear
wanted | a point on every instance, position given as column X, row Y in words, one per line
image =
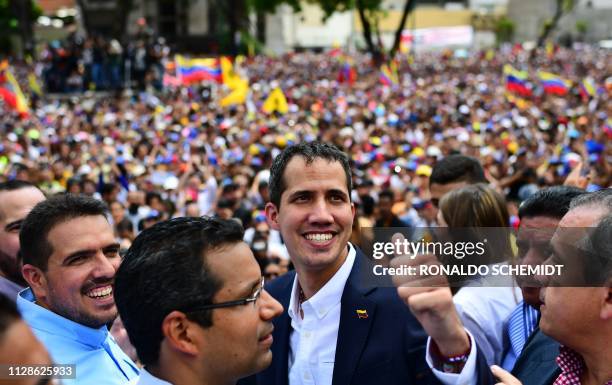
column 177, row 333
column 272, row 215
column 36, row 280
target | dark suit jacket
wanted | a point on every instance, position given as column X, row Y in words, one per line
column 537, row 365
column 386, row 348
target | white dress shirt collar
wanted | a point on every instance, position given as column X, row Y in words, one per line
column 328, row 296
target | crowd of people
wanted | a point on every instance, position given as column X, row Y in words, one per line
column 158, row 155
column 77, row 64
column 447, row 146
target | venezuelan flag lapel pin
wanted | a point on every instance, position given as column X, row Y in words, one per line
column 361, row 314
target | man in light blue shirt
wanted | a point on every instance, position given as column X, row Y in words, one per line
column 70, row 258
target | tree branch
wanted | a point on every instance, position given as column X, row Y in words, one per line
column 408, row 7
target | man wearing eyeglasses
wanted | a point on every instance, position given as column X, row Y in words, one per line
column 190, row 294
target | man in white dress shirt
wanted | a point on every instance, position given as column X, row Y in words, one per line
column 338, row 329
column 190, row 294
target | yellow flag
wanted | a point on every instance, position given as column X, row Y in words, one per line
column 238, row 85
column 276, row 101
column 237, row 96
column 230, row 77
column 34, row 84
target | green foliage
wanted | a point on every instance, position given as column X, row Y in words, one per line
column 582, row 26
column 9, row 19
column 567, row 5
column 504, row 29
column 331, row 6
column 269, row 6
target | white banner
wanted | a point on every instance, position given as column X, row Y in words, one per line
column 437, row 37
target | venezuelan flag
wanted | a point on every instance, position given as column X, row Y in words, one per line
column 194, row 70
column 587, row 88
column 11, row 92
column 347, row 72
column 516, row 81
column 387, row 76
column 553, row 84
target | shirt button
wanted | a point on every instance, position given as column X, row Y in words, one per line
column 306, row 376
column 307, row 334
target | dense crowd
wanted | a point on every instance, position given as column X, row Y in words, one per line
column 77, row 64
column 143, row 193
column 157, row 155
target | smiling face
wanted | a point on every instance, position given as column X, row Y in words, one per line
column 315, row 216
column 78, row 282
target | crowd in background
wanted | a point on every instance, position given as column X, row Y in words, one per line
column 77, row 63
column 176, row 152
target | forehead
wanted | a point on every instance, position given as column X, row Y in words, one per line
column 537, row 228
column 573, row 226
column 320, row 174
column 16, row 204
column 585, row 216
column 222, row 261
column 82, row 233
column 438, row 190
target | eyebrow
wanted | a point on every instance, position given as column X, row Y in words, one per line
column 12, row 225
column 337, row 191
column 87, row 252
column 251, row 287
column 310, row 192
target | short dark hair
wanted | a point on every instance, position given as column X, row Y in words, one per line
column 151, row 195
column 124, row 225
column 599, row 252
column 386, row 194
column 107, row 188
column 310, row 151
column 164, row 270
column 35, row 247
column 457, row 168
column 8, row 314
column 15, row 184
column 553, row 202
column 601, row 198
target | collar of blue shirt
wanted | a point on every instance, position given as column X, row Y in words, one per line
column 147, row 378
column 47, row 321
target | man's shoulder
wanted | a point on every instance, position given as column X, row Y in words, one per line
column 281, row 284
column 537, row 363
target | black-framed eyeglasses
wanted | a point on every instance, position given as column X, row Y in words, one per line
column 238, row 302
